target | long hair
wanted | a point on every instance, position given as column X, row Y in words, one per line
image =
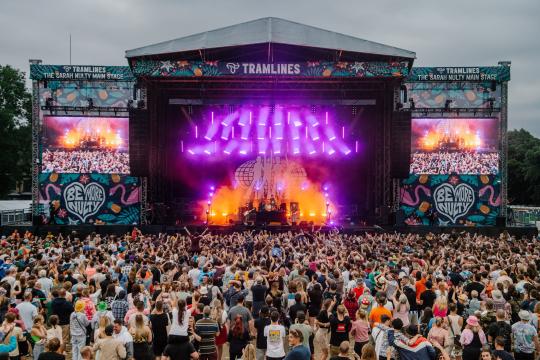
column 181, row 311
column 104, row 321
column 249, row 352
column 217, row 311
column 138, row 334
column 237, row 329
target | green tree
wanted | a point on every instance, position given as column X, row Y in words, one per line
column 523, row 168
column 15, row 129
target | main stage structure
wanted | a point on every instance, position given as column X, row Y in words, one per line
column 271, row 121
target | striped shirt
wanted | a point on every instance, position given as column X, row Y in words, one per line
column 207, row 328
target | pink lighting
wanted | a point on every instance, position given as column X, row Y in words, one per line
column 265, row 132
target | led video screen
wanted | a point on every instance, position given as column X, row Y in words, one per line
column 455, row 146
column 85, row 145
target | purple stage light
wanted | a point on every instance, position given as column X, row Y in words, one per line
column 311, row 119
column 181, row 145
column 276, row 145
column 212, row 130
column 310, row 148
column 225, row 132
column 269, row 134
column 244, row 148
column 245, row 131
column 230, row 147
column 263, row 144
column 314, row 133
column 244, row 118
column 278, row 117
column 356, row 145
column 263, row 115
column 191, row 152
column 330, row 134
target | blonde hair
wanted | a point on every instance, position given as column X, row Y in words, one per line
column 361, row 314
column 103, row 322
column 139, row 334
column 217, row 311
column 249, row 352
column 441, row 302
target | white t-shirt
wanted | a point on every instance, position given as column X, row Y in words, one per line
column 27, row 312
column 176, row 327
column 194, row 276
column 274, row 340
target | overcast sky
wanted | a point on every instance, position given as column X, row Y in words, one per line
column 442, row 33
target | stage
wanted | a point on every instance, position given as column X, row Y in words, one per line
column 270, row 122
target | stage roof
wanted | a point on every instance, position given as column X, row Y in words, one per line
column 270, row 30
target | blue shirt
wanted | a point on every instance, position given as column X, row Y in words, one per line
column 523, row 337
column 299, row 352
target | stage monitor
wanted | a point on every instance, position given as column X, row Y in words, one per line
column 442, row 146
column 73, row 144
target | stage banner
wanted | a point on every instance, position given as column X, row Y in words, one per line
column 450, row 200
column 80, row 72
column 154, row 68
column 74, row 199
column 463, row 94
column 474, row 73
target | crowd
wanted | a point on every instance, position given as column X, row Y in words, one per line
column 254, row 296
column 458, row 162
column 86, row 161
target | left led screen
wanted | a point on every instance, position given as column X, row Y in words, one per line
column 85, row 145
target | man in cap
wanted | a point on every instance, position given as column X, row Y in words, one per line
column 524, row 337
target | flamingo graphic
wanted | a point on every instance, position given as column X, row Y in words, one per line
column 132, row 198
column 406, row 196
column 44, row 197
column 490, row 188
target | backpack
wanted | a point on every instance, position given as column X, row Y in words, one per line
column 229, row 294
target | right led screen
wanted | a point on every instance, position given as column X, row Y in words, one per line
column 455, row 146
